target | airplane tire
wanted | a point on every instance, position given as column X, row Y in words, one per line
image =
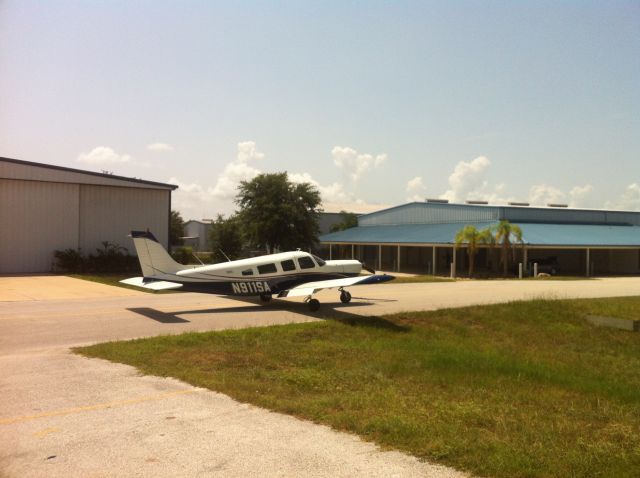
column 265, row 297
column 314, row 305
column 345, row 297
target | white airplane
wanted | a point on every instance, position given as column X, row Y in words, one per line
column 287, row 274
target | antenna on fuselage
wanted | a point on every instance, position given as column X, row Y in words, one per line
column 199, row 260
column 226, row 257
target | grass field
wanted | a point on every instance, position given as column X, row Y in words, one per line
column 520, row 389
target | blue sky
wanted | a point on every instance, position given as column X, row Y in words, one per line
column 376, row 103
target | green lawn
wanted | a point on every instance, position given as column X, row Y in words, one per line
column 521, row 389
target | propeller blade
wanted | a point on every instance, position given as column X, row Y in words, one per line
column 368, row 269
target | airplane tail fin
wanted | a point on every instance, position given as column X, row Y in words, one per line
column 154, row 259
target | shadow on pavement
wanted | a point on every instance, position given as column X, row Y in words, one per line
column 158, row 315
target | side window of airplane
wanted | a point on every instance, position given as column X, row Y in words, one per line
column 306, row 262
column 288, row 265
column 266, row 268
column 247, row 272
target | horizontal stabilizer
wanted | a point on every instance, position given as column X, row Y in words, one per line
column 309, row 288
column 151, row 284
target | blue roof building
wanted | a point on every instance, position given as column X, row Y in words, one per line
column 420, row 237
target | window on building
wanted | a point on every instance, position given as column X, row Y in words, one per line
column 306, row 262
column 247, row 272
column 288, row 265
column 266, row 269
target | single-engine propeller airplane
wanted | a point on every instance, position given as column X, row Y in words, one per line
column 286, row 274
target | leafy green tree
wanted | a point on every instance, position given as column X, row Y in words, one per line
column 349, row 220
column 176, row 229
column 473, row 238
column 277, row 214
column 226, row 236
column 506, row 234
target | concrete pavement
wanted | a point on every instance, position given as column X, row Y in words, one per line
column 65, row 415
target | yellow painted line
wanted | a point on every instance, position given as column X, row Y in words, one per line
column 45, row 432
column 99, row 406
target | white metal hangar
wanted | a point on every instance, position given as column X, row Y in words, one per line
column 44, row 208
column 420, row 237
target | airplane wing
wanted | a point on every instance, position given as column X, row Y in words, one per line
column 151, row 284
column 309, row 288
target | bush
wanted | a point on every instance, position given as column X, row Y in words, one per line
column 110, row 258
column 69, row 260
column 183, row 255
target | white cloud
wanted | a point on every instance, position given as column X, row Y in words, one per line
column 159, row 147
column 237, row 170
column 192, row 200
column 103, row 155
column 416, row 188
column 354, row 163
column 580, row 196
column 468, row 181
column 543, row 194
column 332, row 193
column 629, row 200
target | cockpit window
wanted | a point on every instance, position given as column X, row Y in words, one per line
column 319, row 261
column 306, row 262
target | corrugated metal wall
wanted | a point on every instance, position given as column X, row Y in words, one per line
column 429, row 213
column 433, row 213
column 36, row 218
column 110, row 213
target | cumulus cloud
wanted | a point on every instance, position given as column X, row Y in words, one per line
column 193, row 200
column 237, row 170
column 543, row 194
column 416, row 189
column 354, row 163
column 332, row 193
column 159, row 147
column 468, row 181
column 103, row 155
column 335, row 198
column 629, row 200
column 581, row 196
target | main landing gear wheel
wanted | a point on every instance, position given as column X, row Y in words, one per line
column 345, row 297
column 265, row 297
column 314, row 305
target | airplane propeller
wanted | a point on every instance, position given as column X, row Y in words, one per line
column 368, row 269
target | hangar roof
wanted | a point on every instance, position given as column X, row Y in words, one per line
column 440, row 213
column 534, row 234
column 29, row 171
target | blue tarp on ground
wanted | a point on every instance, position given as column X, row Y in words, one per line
column 580, row 235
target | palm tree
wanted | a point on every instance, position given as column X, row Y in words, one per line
column 505, row 233
column 471, row 236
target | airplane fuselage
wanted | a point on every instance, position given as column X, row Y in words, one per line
column 263, row 275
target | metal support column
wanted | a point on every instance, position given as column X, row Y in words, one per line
column 588, row 261
column 526, row 260
column 433, row 261
column 454, row 264
column 398, row 263
column 379, row 257
column 353, row 256
column 330, row 255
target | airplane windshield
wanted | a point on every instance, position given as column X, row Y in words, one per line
column 319, row 261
